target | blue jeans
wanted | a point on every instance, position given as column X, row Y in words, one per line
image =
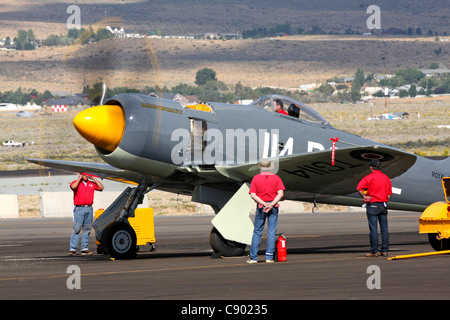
column 376, row 212
column 260, row 219
column 82, row 222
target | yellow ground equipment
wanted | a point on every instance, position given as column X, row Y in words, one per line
column 435, row 220
column 144, row 229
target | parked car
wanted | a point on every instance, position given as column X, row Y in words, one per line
column 10, row 143
column 25, row 114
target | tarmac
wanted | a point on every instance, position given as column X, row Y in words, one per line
column 325, row 261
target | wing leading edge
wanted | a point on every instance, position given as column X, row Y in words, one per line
column 104, row 171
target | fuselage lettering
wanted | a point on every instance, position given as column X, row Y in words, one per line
column 236, row 146
column 162, row 108
column 437, row 175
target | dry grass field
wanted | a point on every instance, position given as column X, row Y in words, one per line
column 47, row 136
column 54, row 136
column 416, row 135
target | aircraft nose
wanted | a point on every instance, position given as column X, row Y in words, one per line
column 102, row 126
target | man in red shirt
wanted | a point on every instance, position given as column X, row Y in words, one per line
column 376, row 190
column 278, row 107
column 266, row 189
column 83, row 198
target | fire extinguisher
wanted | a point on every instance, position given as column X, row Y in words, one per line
column 280, row 245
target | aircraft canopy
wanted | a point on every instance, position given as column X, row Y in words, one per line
column 293, row 107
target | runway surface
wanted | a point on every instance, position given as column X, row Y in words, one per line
column 325, row 261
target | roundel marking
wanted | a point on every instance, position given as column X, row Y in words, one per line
column 367, row 155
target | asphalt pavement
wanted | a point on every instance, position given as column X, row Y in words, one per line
column 325, row 261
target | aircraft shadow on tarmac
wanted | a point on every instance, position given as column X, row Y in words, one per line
column 341, row 249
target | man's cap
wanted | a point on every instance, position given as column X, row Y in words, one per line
column 265, row 164
column 374, row 163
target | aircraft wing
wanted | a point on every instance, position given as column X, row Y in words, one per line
column 313, row 172
column 104, row 171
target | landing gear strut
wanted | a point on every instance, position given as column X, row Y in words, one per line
column 315, row 209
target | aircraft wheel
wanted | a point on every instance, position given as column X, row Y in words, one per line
column 226, row 247
column 119, row 240
column 438, row 245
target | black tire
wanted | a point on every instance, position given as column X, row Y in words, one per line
column 226, row 247
column 438, row 245
column 119, row 241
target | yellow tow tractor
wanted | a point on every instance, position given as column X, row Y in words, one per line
column 143, row 226
column 435, row 221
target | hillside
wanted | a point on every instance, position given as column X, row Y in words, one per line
column 201, row 16
column 281, row 62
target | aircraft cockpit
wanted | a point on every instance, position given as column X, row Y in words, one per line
column 293, row 108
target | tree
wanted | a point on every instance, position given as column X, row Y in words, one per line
column 103, row 34
column 326, row 90
column 412, row 91
column 410, row 75
column 355, row 95
column 357, row 83
column 94, row 94
column 204, row 75
column 403, row 93
column 25, row 40
column 359, row 78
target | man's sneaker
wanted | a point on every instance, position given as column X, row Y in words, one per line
column 72, row 253
column 270, row 261
column 383, row 254
column 252, row 261
column 86, row 253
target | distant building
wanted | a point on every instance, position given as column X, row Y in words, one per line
column 435, row 72
column 117, row 32
column 406, row 87
column 309, row 86
column 371, row 90
column 121, row 33
column 62, row 104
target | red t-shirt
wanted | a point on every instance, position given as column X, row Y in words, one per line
column 266, row 186
column 84, row 194
column 378, row 186
column 283, row 112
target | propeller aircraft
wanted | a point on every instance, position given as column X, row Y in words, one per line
column 211, row 151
